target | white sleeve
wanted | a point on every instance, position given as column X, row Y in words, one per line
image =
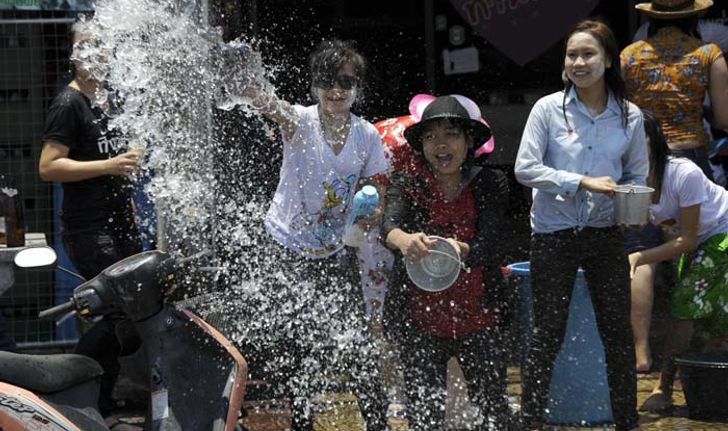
column 530, row 168
column 376, row 161
column 689, row 183
column 303, row 117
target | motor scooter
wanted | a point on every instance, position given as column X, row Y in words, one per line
column 197, row 378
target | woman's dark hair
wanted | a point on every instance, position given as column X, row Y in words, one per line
column 688, row 25
column 330, row 56
column 658, row 149
column 80, row 26
column 612, row 75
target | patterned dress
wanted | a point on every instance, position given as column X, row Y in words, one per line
column 668, row 74
column 702, row 291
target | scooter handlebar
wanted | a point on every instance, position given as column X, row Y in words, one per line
column 53, row 312
column 181, row 261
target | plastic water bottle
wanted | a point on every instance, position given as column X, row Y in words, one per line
column 365, row 203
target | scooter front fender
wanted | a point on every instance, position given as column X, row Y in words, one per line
column 197, row 378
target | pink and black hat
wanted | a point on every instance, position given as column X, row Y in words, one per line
column 454, row 107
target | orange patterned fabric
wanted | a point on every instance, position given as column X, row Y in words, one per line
column 668, row 74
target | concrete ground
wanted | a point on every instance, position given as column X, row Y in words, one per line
column 339, row 412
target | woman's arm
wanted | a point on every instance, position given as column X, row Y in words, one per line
column 377, row 181
column 462, row 248
column 398, row 222
column 414, row 246
column 54, row 164
column 275, row 109
column 374, row 171
column 490, row 244
column 397, row 206
column 635, row 161
column 718, row 90
column 685, row 242
column 530, row 168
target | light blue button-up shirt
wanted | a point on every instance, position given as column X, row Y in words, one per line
column 553, row 158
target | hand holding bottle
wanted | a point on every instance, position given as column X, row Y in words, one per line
column 358, row 222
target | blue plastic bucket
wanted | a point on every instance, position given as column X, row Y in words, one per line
column 579, row 393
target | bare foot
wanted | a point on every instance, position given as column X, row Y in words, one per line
column 644, row 367
column 644, row 359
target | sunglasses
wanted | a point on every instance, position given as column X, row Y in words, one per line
column 345, row 82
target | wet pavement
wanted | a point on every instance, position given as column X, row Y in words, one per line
column 339, row 412
column 678, row 419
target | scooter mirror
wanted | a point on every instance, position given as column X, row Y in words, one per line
column 34, row 257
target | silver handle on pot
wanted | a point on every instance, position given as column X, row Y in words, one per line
column 460, row 262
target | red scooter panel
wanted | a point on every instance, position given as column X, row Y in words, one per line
column 241, row 374
column 21, row 410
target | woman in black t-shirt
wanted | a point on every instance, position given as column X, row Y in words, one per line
column 97, row 213
column 93, row 166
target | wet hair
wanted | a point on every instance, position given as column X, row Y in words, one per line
column 330, row 56
column 688, row 25
column 612, row 75
column 658, row 149
column 82, row 25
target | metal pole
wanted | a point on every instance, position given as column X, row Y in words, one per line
column 161, row 227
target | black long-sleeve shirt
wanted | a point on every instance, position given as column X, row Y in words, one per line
column 409, row 202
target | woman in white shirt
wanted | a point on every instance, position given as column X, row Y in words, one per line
column 328, row 154
column 694, row 211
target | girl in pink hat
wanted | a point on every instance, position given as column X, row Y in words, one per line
column 448, row 196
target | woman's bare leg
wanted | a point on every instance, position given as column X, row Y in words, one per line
column 678, row 340
column 641, row 314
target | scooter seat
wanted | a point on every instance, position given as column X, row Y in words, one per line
column 47, row 374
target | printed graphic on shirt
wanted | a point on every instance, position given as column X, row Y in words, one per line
column 322, row 231
column 110, row 144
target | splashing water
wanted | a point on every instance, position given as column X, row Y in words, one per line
column 236, row 65
column 169, row 70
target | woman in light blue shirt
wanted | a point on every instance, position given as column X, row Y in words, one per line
column 578, row 145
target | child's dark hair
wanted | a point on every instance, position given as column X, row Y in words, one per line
column 330, row 56
column 658, row 149
column 612, row 75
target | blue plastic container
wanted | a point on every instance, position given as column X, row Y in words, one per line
column 364, row 204
column 579, row 393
